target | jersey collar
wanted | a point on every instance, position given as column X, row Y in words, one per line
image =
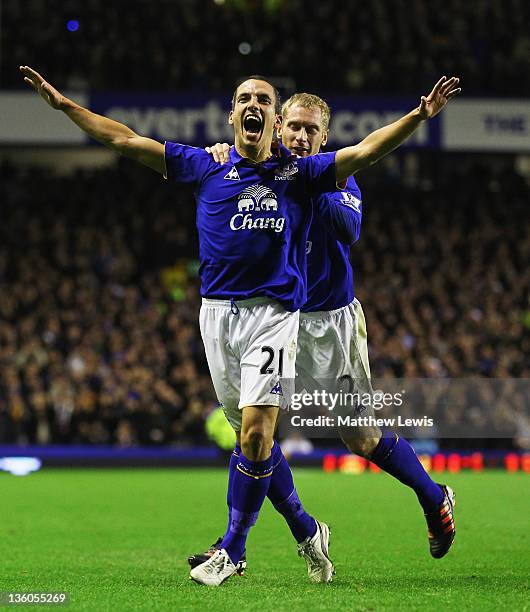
column 278, row 151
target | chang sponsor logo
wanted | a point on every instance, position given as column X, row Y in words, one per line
column 257, row 199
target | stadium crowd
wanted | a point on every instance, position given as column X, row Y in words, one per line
column 347, row 47
column 99, row 301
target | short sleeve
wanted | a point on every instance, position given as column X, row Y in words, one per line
column 347, row 194
column 185, row 164
column 320, row 172
column 340, row 211
column 352, row 186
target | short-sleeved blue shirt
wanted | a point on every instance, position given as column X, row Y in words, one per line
column 253, row 220
column 329, row 271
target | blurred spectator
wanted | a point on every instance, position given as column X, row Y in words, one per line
column 296, row 444
column 383, row 46
column 442, row 270
column 93, row 349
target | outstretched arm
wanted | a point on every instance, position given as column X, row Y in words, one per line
column 381, row 142
column 107, row 131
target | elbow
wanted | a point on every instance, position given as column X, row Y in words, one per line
column 356, row 233
column 353, row 233
column 365, row 157
column 348, row 236
column 351, row 239
column 368, row 153
column 347, row 227
column 123, row 145
column 370, row 158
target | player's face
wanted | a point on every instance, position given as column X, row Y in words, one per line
column 302, row 131
column 254, row 117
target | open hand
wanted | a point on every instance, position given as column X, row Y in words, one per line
column 220, row 152
column 48, row 93
column 442, row 92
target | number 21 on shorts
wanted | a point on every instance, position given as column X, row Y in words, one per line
column 270, row 361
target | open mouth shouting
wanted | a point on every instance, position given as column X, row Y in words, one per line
column 301, row 151
column 252, row 127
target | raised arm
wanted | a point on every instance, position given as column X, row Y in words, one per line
column 112, row 134
column 381, row 142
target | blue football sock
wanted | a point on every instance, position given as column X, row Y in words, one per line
column 234, row 458
column 249, row 489
column 397, row 457
column 284, row 497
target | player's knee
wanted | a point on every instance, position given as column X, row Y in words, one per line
column 366, row 446
column 255, row 443
column 362, row 445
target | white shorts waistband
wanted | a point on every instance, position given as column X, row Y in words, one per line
column 239, row 303
column 324, row 314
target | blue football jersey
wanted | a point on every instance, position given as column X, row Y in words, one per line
column 329, row 271
column 253, row 220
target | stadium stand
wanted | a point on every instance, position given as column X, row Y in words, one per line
column 136, row 46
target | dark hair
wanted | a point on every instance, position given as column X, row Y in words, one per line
column 259, row 77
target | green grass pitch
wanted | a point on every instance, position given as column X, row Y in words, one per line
column 118, row 540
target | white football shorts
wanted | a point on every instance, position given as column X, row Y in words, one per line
column 250, row 346
column 332, row 345
column 333, row 356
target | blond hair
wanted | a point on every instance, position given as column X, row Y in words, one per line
column 306, row 100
